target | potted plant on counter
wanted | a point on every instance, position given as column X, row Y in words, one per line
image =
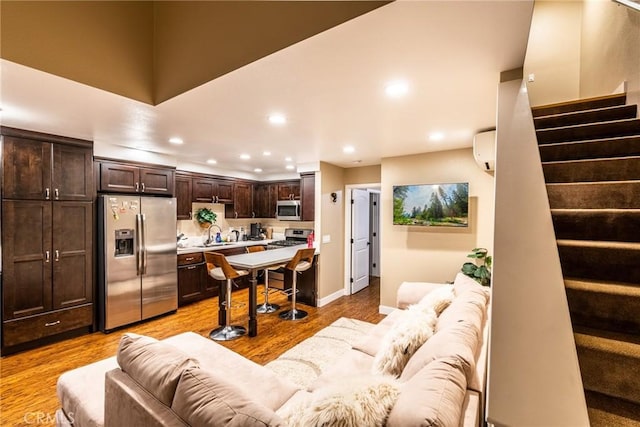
column 480, row 273
column 205, row 217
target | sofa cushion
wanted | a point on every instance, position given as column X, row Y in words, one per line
column 205, row 398
column 460, row 341
column 469, row 306
column 403, row 339
column 463, row 283
column 353, row 401
column 154, row 365
column 370, row 343
column 432, row 397
column 352, row 363
column 411, row 292
column 438, row 299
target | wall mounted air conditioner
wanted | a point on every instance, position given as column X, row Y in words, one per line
column 484, row 150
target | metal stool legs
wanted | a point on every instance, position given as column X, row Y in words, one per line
column 293, row 314
column 227, row 331
column 266, row 307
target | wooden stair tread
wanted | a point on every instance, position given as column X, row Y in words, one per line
column 610, row 342
column 577, row 104
column 614, row 288
column 598, row 159
column 630, row 246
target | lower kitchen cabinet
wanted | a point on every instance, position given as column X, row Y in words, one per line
column 193, row 279
column 48, row 272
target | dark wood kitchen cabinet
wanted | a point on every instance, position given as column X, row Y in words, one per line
column 47, row 239
column 242, row 206
column 46, row 167
column 130, row 178
column 192, row 278
column 265, row 197
column 183, row 195
column 308, row 196
column 289, row 190
column 212, row 190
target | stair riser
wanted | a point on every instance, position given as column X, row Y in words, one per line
column 590, row 116
column 609, row 312
column 606, row 226
column 608, row 264
column 603, row 102
column 592, row 171
column 594, row 196
column 595, row 131
column 609, row 373
column 606, row 148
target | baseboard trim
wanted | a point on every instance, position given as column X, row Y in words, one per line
column 321, row 302
column 385, row 309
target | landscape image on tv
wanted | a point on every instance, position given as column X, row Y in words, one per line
column 435, row 205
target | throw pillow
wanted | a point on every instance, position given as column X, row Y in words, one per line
column 205, row 398
column 438, row 299
column 404, row 338
column 155, row 365
column 351, row 402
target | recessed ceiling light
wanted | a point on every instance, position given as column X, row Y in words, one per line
column 176, row 140
column 290, row 167
column 348, row 149
column 212, row 161
column 245, row 156
column 357, row 161
column 436, row 136
column 277, row 119
column 266, row 153
column 397, row 88
column 257, row 170
column 288, row 159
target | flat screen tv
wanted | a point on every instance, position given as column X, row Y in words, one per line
column 431, row 205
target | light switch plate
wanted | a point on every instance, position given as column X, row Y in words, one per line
column 326, row 238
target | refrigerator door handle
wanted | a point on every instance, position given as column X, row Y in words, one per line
column 144, row 245
column 138, row 244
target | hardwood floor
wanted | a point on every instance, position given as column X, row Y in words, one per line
column 28, row 379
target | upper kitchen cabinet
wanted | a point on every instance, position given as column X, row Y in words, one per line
column 183, row 196
column 308, row 196
column 212, row 190
column 118, row 177
column 242, row 206
column 265, row 196
column 39, row 166
column 289, row 190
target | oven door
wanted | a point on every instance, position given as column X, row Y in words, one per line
column 288, row 210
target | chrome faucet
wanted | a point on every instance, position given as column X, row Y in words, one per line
column 209, row 240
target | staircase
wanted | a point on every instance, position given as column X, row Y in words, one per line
column 590, row 151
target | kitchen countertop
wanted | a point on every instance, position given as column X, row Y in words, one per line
column 224, row 245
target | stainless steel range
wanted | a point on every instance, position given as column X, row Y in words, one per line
column 293, row 236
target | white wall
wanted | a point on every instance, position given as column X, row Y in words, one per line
column 533, row 376
column 424, row 253
column 553, row 52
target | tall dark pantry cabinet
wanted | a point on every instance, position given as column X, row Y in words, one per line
column 48, row 195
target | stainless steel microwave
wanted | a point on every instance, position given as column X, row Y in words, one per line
column 288, row 210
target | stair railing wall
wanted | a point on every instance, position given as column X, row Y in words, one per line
column 533, row 375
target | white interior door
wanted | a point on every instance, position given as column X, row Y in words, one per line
column 359, row 240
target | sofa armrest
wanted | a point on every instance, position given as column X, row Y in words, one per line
column 412, row 292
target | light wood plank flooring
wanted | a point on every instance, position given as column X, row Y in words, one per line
column 28, row 379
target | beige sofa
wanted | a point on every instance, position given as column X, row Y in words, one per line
column 191, row 380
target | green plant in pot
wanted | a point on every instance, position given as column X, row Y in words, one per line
column 480, row 270
column 205, row 217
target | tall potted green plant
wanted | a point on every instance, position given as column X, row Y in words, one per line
column 480, row 270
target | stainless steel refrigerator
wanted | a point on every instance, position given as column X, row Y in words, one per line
column 137, row 270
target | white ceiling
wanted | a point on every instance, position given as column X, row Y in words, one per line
column 330, row 87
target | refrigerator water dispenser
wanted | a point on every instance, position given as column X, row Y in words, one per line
column 124, row 242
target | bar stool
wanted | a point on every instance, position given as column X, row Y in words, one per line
column 302, row 261
column 220, row 269
column 264, row 307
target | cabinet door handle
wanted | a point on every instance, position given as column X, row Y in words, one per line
column 46, row 193
column 190, row 215
column 192, row 267
column 253, row 214
column 56, row 193
column 235, row 214
column 190, row 258
column 57, row 252
column 57, row 322
column 47, row 256
column 137, row 187
column 143, row 187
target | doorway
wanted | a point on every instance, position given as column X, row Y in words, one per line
column 362, row 236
